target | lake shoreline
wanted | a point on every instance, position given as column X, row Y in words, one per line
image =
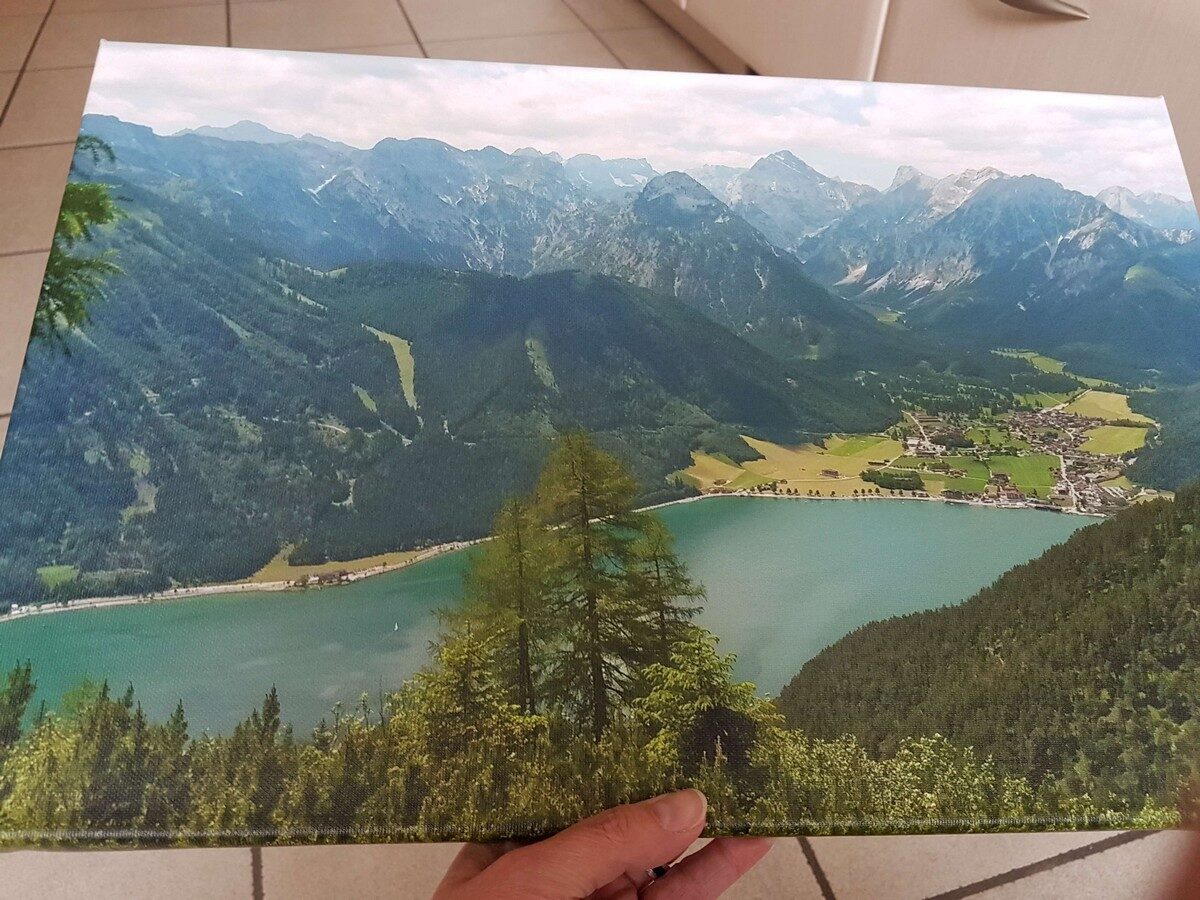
column 239, row 587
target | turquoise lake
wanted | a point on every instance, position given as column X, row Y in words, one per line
column 784, row 578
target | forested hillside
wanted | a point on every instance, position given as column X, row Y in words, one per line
column 570, row 679
column 1079, row 671
column 188, row 439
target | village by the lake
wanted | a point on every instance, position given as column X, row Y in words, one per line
column 1065, row 452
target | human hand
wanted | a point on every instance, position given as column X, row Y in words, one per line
column 609, row 857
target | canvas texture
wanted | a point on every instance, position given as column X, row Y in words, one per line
column 413, row 450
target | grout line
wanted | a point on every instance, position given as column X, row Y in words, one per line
column 34, row 146
column 37, row 36
column 256, row 873
column 597, row 35
column 90, row 65
column 810, row 856
column 228, row 23
column 413, row 28
column 1045, row 865
column 7, row 253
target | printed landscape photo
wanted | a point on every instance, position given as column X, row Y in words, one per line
column 414, row 450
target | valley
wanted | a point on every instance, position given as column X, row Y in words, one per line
column 373, row 331
column 1068, row 453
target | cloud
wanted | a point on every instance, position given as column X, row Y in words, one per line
column 853, row 130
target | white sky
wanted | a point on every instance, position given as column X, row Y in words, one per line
column 856, row 131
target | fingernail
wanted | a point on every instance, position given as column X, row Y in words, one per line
column 679, row 811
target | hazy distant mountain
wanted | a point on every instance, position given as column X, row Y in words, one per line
column 783, row 197
column 677, row 238
column 1151, row 208
column 244, row 130
column 979, row 255
column 996, row 258
column 608, row 178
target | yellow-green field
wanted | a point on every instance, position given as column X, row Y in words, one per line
column 938, row 473
column 1043, row 399
column 797, row 467
column 279, row 569
column 53, row 576
column 1033, row 474
column 1121, row 482
column 1114, row 439
column 1037, row 360
column 1054, row 366
column 1106, row 405
column 404, row 362
column 995, row 437
column 367, row 400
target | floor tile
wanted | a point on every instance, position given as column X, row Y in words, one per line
column 318, row 24
column 362, row 871
column 7, row 80
column 452, row 20
column 605, row 15
column 31, row 183
column 413, row 50
column 20, row 282
column 783, row 873
column 16, row 37
column 77, row 6
column 24, row 7
column 655, row 48
column 1143, row 869
column 915, row 866
column 575, row 49
column 71, row 39
column 128, row 874
column 46, row 108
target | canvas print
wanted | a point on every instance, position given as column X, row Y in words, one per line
column 413, row 450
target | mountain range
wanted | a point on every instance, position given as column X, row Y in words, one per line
column 313, row 345
column 977, row 258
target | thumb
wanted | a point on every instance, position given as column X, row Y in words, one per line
column 625, row 841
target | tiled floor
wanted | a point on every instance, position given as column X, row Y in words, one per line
column 46, row 50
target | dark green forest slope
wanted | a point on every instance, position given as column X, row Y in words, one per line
column 222, row 403
column 1079, row 670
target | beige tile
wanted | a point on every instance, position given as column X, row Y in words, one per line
column 46, row 108
column 4, row 419
column 357, row 870
column 128, row 874
column 76, row 6
column 20, row 282
column 24, row 7
column 605, row 15
column 1143, row 869
column 783, row 873
column 655, row 48
column 31, row 183
column 16, row 37
column 453, row 20
column 575, row 49
column 414, row 871
column 318, row 24
column 71, row 39
column 385, row 50
column 914, row 866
